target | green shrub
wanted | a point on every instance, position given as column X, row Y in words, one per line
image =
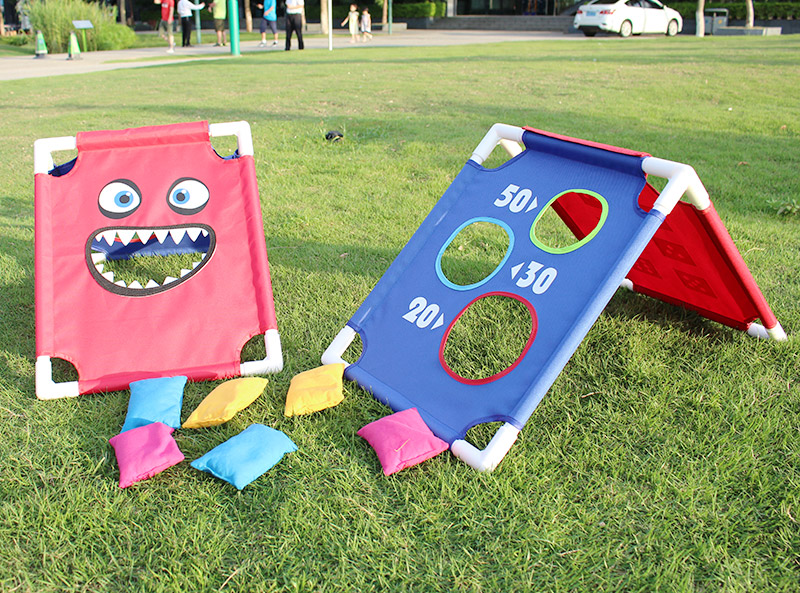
column 737, row 11
column 415, row 10
column 54, row 19
column 16, row 40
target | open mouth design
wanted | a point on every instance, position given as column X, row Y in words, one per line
column 111, row 244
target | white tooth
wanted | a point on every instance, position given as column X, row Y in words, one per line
column 126, row 235
column 177, row 234
column 99, row 267
column 144, row 236
column 109, row 276
column 121, row 283
column 161, row 234
column 202, row 256
column 195, row 264
column 184, row 271
column 98, row 257
column 205, row 232
column 169, row 279
column 152, row 284
column 108, row 236
column 193, row 233
column 134, row 284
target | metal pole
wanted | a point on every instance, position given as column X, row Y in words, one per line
column 330, row 25
column 197, row 26
column 390, row 17
column 233, row 20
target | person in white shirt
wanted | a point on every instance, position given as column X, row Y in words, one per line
column 294, row 22
column 185, row 8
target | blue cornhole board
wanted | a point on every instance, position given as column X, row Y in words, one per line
column 404, row 320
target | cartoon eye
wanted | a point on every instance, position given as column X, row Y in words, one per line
column 187, row 196
column 119, row 198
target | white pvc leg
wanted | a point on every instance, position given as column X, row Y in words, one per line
column 46, row 388
column 333, row 353
column 759, row 331
column 272, row 363
column 489, row 458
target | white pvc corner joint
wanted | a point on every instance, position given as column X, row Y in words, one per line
column 240, row 129
column 681, row 179
column 272, row 363
column 46, row 388
column 333, row 353
column 489, row 458
column 44, row 148
column 509, row 137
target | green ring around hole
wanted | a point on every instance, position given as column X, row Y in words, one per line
column 582, row 242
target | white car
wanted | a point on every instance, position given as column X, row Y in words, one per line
column 627, row 17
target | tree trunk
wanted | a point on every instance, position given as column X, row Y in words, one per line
column 248, row 17
column 750, row 14
column 385, row 19
column 122, row 17
column 323, row 15
column 2, row 23
column 700, row 19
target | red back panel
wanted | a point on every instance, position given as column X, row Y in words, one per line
column 691, row 261
column 195, row 326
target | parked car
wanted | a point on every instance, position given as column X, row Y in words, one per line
column 627, row 17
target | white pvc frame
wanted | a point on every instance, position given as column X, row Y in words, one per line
column 681, row 180
column 43, row 150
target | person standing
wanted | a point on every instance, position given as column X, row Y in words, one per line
column 185, row 8
column 269, row 20
column 351, row 20
column 294, row 22
column 366, row 25
column 219, row 10
column 167, row 25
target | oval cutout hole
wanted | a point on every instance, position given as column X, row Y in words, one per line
column 474, row 253
column 568, row 221
column 488, row 338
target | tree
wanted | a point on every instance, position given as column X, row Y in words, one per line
column 750, row 14
column 700, row 19
column 122, row 17
column 2, row 21
column 323, row 15
column 248, row 17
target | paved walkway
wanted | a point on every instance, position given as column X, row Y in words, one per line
column 14, row 68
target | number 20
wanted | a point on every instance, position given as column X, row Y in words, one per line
column 422, row 314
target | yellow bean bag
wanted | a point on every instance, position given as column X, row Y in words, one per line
column 225, row 400
column 315, row 390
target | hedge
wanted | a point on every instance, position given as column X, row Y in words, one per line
column 54, row 19
column 419, row 10
column 738, row 12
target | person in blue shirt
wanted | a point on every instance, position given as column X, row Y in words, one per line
column 269, row 20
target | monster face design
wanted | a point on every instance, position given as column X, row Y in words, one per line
column 120, row 199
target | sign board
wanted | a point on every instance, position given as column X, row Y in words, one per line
column 82, row 24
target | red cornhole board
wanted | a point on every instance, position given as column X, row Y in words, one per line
column 149, row 191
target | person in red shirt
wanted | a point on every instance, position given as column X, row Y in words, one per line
column 167, row 25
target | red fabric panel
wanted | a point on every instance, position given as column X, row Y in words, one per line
column 693, row 262
column 196, row 328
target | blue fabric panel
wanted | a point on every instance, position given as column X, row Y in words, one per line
column 400, row 359
column 152, row 247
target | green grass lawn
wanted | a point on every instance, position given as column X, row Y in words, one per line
column 664, row 457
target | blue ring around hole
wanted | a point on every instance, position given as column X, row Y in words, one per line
column 447, row 243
